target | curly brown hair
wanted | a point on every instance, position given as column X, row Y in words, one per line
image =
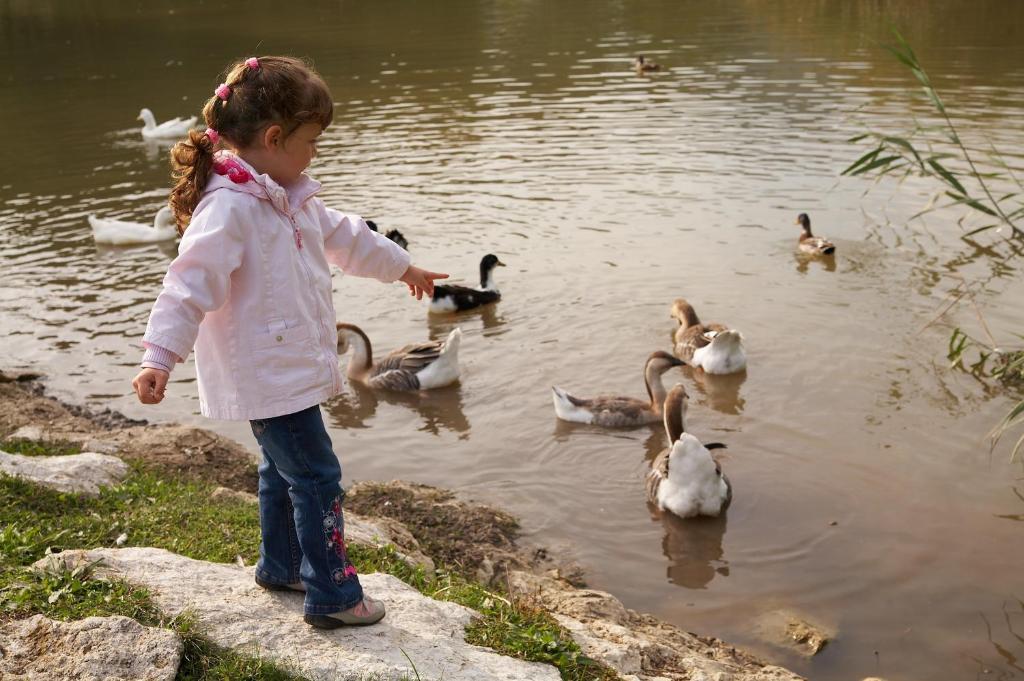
column 284, row 90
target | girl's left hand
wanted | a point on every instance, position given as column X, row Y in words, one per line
column 420, row 281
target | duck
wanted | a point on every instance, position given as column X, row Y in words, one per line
column 620, row 412
column 392, row 234
column 454, row 298
column 121, row 233
column 176, row 127
column 685, row 479
column 814, row 245
column 643, row 66
column 418, row 366
column 713, row 347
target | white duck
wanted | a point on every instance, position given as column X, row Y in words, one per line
column 176, row 127
column 615, row 411
column 685, row 479
column 715, row 348
column 121, row 233
column 419, row 366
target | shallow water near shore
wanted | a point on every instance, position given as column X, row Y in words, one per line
column 865, row 496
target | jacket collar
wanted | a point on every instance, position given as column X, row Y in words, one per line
column 242, row 177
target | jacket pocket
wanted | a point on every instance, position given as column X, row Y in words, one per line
column 285, row 361
column 273, row 339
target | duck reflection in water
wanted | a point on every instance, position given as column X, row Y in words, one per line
column 804, row 262
column 721, row 392
column 693, row 548
column 439, row 326
column 441, row 409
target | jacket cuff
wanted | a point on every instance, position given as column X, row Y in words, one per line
column 157, row 357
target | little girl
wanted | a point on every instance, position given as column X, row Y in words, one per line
column 250, row 290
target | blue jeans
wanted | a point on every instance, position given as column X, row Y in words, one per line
column 301, row 523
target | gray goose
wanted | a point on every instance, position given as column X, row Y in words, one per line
column 685, row 479
column 615, row 411
column 713, row 347
column 419, row 366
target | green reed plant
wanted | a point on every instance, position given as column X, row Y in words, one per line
column 939, row 152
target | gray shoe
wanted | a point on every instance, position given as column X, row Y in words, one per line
column 367, row 611
column 270, row 586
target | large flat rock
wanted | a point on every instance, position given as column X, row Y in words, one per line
column 93, row 649
column 234, row 613
column 84, row 473
column 639, row 647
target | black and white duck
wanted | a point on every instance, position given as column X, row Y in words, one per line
column 392, row 234
column 455, row 298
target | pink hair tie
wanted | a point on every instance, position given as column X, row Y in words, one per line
column 223, row 91
column 213, row 135
column 253, row 63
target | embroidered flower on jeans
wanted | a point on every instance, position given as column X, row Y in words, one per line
column 335, row 540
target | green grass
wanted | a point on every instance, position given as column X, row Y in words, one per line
column 178, row 515
column 35, row 448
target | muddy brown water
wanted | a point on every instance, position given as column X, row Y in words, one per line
column 864, row 495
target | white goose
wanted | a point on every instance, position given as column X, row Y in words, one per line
column 619, row 412
column 419, row 366
column 176, row 127
column 121, row 233
column 713, row 347
column 685, row 479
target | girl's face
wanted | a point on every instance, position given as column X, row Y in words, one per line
column 283, row 158
column 294, row 153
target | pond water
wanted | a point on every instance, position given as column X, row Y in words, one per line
column 865, row 495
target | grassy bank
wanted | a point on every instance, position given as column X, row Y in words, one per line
column 153, row 509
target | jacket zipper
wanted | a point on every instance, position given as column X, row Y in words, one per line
column 335, row 371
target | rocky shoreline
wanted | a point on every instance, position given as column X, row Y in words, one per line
column 426, row 527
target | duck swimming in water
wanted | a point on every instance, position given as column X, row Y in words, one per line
column 122, row 233
column 176, row 127
column 713, row 347
column 684, row 478
column 620, row 412
column 643, row 66
column 420, row 366
column 392, row 234
column 454, row 298
column 813, row 245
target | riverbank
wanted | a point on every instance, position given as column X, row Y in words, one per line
column 170, row 539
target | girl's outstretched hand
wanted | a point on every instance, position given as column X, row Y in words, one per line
column 420, row 281
column 149, row 385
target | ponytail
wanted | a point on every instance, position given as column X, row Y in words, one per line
column 191, row 165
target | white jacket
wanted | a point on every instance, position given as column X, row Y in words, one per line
column 255, row 304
